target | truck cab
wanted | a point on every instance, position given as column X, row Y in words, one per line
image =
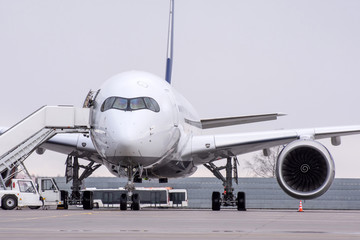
column 51, row 193
column 22, row 192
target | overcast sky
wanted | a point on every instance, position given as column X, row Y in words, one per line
column 232, row 58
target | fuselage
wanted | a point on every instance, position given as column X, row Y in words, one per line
column 138, row 120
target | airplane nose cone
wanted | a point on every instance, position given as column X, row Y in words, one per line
column 129, row 140
column 140, row 142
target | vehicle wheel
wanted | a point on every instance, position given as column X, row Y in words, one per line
column 135, row 202
column 87, row 201
column 123, row 202
column 9, row 202
column 34, row 207
column 216, row 201
column 241, row 201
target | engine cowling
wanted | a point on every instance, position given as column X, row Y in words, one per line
column 305, row 169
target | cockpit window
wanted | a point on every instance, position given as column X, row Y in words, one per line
column 108, row 103
column 137, row 103
column 120, row 103
column 152, row 104
column 130, row 104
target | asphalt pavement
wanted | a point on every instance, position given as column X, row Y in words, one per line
column 179, row 224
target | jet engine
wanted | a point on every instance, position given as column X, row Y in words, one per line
column 305, row 169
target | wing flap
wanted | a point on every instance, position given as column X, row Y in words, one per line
column 321, row 133
column 230, row 121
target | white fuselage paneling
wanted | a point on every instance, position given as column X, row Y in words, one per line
column 141, row 137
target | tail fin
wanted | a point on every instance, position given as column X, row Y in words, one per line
column 170, row 44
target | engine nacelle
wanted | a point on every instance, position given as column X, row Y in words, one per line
column 305, row 169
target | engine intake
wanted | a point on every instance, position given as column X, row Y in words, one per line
column 305, row 169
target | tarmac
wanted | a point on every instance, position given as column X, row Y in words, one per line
column 179, row 224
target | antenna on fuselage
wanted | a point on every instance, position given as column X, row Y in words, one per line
column 170, row 44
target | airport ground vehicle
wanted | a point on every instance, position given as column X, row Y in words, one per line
column 149, row 197
column 23, row 192
column 51, row 193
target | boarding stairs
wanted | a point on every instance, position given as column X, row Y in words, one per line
column 19, row 141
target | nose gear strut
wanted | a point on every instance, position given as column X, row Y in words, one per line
column 131, row 198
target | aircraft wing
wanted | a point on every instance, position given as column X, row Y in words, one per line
column 207, row 148
column 223, row 122
column 72, row 144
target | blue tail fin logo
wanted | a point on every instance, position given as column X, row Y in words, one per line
column 170, row 44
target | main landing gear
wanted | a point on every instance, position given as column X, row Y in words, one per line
column 130, row 198
column 85, row 198
column 77, row 197
column 227, row 199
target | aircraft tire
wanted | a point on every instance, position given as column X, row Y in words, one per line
column 66, row 204
column 216, row 201
column 87, row 200
column 64, row 198
column 135, row 202
column 241, row 204
column 123, row 202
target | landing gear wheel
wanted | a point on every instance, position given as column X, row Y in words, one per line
column 66, row 204
column 241, row 201
column 123, row 202
column 135, row 202
column 9, row 202
column 87, row 201
column 64, row 196
column 216, row 201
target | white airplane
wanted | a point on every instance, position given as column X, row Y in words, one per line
column 141, row 127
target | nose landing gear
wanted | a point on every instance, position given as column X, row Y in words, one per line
column 130, row 198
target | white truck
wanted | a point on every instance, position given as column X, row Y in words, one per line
column 22, row 192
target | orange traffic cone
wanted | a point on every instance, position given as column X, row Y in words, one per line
column 300, row 207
